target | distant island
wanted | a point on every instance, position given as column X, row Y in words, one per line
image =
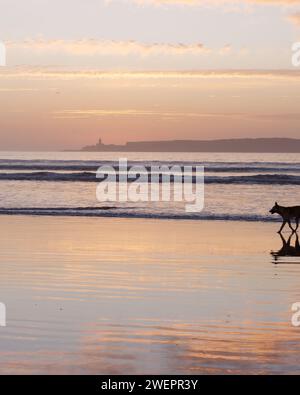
column 259, row 145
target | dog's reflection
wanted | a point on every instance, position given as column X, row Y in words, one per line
column 287, row 249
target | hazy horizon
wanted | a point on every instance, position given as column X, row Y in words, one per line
column 94, row 143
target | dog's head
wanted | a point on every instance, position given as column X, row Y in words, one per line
column 275, row 209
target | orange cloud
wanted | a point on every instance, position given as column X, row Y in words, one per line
column 216, row 2
column 295, row 18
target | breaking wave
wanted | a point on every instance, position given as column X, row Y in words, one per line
column 266, row 179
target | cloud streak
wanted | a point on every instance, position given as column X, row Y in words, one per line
column 49, row 73
column 100, row 113
column 91, row 47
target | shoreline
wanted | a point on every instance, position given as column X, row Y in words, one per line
column 89, row 212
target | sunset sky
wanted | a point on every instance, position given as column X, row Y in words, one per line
column 147, row 70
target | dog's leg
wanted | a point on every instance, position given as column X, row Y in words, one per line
column 297, row 224
column 282, row 226
column 290, row 225
column 297, row 244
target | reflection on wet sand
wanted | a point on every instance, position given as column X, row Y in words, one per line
column 287, row 249
column 85, row 295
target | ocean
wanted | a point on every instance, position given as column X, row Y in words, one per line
column 238, row 186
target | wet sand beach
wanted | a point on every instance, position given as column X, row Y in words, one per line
column 134, row 296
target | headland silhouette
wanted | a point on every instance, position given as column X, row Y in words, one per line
column 259, row 145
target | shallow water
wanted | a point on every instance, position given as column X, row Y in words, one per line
column 109, row 295
column 237, row 186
